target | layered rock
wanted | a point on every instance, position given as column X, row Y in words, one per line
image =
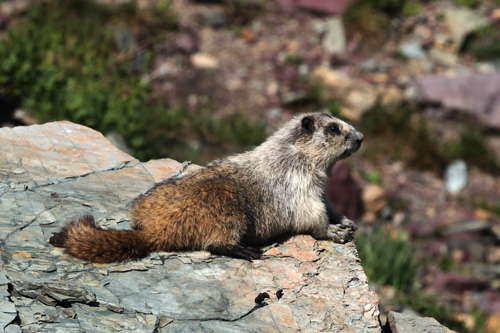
column 55, row 172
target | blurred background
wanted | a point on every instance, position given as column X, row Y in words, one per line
column 197, row 80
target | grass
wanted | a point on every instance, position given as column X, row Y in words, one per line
column 404, row 134
column 60, row 59
column 485, row 43
column 387, row 258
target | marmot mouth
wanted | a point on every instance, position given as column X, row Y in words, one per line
column 346, row 154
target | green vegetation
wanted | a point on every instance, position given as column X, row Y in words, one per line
column 467, row 3
column 61, row 60
column 407, row 134
column 387, row 258
column 316, row 101
column 373, row 177
column 471, row 146
column 294, row 60
column 412, row 8
column 370, row 19
column 492, row 207
column 485, row 44
column 480, row 321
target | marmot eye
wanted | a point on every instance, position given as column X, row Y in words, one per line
column 334, row 128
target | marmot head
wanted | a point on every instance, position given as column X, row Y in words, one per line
column 324, row 138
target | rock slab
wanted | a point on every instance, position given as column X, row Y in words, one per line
column 402, row 323
column 58, row 171
column 476, row 94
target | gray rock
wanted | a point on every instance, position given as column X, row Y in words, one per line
column 62, row 170
column 334, row 41
column 325, row 6
column 412, row 49
column 405, row 323
column 186, row 42
column 443, row 58
column 216, row 19
column 455, row 177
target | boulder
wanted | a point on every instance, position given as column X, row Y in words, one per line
column 344, row 192
column 319, row 6
column 476, row 94
column 462, row 21
column 55, row 172
column 403, row 323
column 355, row 95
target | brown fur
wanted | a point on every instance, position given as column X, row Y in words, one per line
column 242, row 200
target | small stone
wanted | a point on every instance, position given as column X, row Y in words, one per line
column 204, row 61
column 412, row 49
column 443, row 58
column 493, row 323
column 403, row 322
column 334, row 41
column 362, row 99
column 186, row 43
column 391, row 95
column 124, row 39
column 456, row 177
column 248, row 35
column 216, row 19
column 374, row 198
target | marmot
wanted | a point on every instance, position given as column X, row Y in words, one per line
column 276, row 189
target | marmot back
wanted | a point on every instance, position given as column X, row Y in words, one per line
column 276, row 189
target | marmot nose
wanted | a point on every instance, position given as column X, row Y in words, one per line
column 360, row 137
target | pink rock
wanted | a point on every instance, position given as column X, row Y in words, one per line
column 186, row 43
column 321, row 6
column 475, row 93
column 458, row 283
column 344, row 192
column 325, row 6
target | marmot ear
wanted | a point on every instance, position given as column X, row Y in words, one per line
column 308, row 124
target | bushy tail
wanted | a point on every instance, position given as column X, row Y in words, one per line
column 86, row 240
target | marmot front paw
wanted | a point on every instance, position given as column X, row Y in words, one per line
column 342, row 233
